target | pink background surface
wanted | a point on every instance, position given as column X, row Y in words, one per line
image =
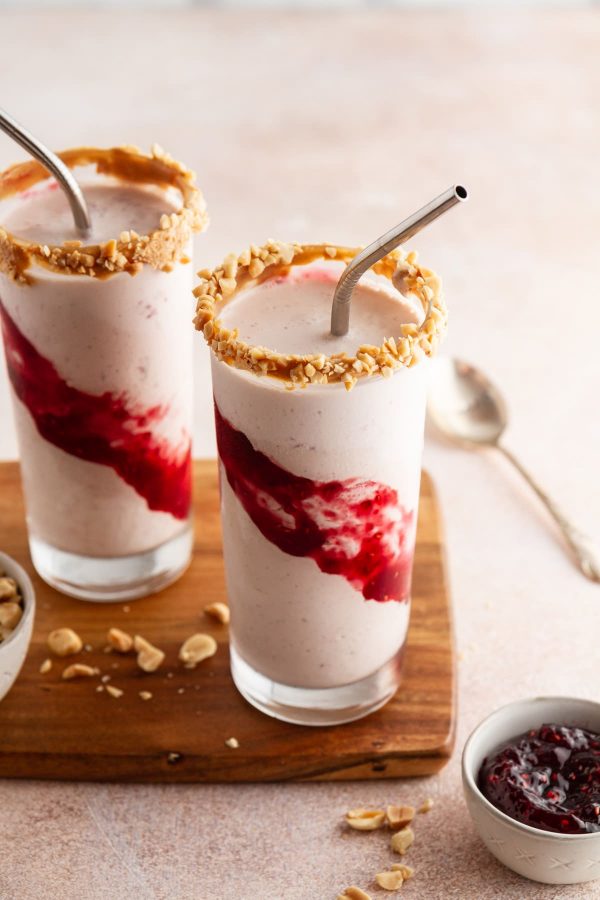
column 333, row 127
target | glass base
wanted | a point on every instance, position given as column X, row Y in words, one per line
column 317, row 706
column 110, row 579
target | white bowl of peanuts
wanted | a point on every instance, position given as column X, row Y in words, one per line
column 17, row 609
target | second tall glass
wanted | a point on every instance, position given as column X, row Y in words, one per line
column 98, row 352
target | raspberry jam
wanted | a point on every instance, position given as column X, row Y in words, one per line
column 354, row 528
column 548, row 778
column 107, row 429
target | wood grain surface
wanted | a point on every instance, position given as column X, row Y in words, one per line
column 50, row 728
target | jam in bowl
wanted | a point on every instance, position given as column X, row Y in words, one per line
column 548, row 778
column 531, row 779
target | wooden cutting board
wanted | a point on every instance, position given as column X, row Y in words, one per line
column 50, row 728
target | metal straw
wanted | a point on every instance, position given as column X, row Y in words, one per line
column 340, row 310
column 55, row 166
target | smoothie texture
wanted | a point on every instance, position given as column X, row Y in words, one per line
column 320, row 467
column 98, row 351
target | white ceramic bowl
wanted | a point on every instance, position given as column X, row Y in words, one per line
column 14, row 649
column 540, row 855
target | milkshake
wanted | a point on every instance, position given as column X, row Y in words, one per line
column 320, row 441
column 99, row 360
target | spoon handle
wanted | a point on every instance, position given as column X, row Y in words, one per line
column 575, row 540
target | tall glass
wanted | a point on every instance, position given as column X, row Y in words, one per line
column 99, row 359
column 320, row 462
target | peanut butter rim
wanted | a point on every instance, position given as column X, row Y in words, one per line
column 258, row 264
column 128, row 252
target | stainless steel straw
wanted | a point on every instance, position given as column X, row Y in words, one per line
column 340, row 310
column 55, row 166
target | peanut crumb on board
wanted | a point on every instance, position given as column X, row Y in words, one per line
column 219, row 611
column 232, row 742
column 114, row 691
column 79, row 670
column 197, row 648
column 149, row 657
column 146, row 695
column 46, row 666
column 64, row 642
column 119, row 640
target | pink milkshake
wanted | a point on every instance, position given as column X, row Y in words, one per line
column 320, row 442
column 99, row 358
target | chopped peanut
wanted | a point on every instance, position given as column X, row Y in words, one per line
column 119, row 640
column 113, row 691
column 399, row 816
column 219, row 611
column 197, row 648
column 64, row 642
column 402, row 840
column 149, row 657
column 389, row 881
column 79, row 670
column 365, row 819
column 353, row 893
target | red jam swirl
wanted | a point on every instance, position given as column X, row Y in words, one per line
column 353, row 528
column 548, row 778
column 100, row 428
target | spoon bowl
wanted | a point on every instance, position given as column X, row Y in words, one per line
column 464, row 405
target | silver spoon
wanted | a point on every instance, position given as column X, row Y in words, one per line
column 55, row 166
column 468, row 409
column 356, row 268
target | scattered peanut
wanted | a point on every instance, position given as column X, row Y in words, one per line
column 365, row 819
column 10, row 614
column 407, row 872
column 46, row 666
column 402, row 840
column 353, row 893
column 113, row 691
column 399, row 816
column 426, row 806
column 119, row 640
column 197, row 648
column 145, row 695
column 64, row 642
column 79, row 670
column 233, row 743
column 389, row 881
column 149, row 657
column 219, row 611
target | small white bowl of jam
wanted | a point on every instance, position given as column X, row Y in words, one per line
column 531, row 778
column 17, row 610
